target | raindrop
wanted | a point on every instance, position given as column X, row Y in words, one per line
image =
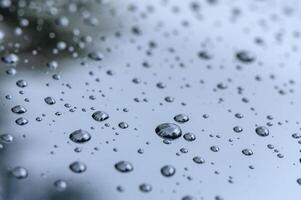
column 124, row 166
column 299, row 181
column 188, row 197
column 50, row 100
column 78, row 167
column 100, row 116
column 21, row 121
column 19, row 173
column 189, row 137
column 198, row 160
column 247, row 152
column 10, row 59
column 168, row 131
column 214, row 148
column 96, row 56
column 123, row 125
column 245, row 56
column 60, row 185
column 145, row 187
column 168, row 170
column 21, row 83
column 181, row 118
column 262, row 131
column 80, row 136
column 19, row 109
column 237, row 129
column 6, row 138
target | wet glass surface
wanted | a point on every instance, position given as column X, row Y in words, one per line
column 161, row 99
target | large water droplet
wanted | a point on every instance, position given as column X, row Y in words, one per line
column 262, row 131
column 21, row 121
column 168, row 131
column 124, row 166
column 80, row 136
column 100, row 116
column 168, row 170
column 19, row 109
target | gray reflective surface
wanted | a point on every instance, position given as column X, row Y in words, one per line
column 228, row 66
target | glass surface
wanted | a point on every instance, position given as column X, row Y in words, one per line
column 223, row 77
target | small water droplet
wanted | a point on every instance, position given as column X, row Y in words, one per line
column 145, row 187
column 181, row 118
column 247, row 152
column 189, row 137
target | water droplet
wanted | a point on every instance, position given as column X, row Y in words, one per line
column 10, row 59
column 168, row 170
column 19, row 173
column 78, row 167
column 6, row 138
column 189, row 137
column 100, row 116
column 262, row 131
column 21, row 83
column 181, row 118
column 214, row 148
column 299, row 181
column 21, row 121
column 52, row 65
column 96, row 56
column 247, row 152
column 50, row 100
column 296, row 135
column 123, row 125
column 237, row 129
column 124, row 166
column 239, row 115
column 188, row 197
column 145, row 187
column 198, row 160
column 80, row 136
column 19, row 109
column 168, row 131
column 245, row 56
column 60, row 185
